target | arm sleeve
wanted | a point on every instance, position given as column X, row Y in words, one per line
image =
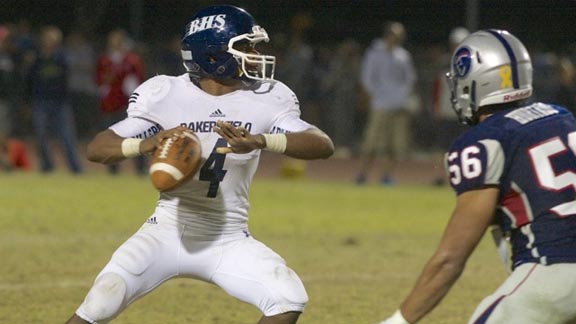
column 290, row 122
column 135, row 127
column 143, row 101
column 476, row 165
column 288, row 119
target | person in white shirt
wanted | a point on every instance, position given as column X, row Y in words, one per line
column 230, row 100
column 388, row 78
column 444, row 120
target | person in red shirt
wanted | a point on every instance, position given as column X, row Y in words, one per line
column 118, row 72
column 13, row 155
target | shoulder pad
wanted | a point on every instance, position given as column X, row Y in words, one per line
column 278, row 92
column 151, row 91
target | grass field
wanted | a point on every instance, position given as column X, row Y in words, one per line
column 357, row 249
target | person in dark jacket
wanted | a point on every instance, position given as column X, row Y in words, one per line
column 46, row 91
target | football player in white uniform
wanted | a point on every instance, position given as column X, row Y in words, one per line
column 230, row 100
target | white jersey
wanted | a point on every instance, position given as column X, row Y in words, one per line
column 215, row 200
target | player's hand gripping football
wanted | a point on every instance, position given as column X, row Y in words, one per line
column 149, row 145
column 239, row 139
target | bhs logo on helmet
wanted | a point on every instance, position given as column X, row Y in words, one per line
column 207, row 22
column 462, row 62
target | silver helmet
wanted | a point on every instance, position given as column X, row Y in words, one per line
column 488, row 67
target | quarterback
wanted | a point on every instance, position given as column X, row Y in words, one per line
column 229, row 99
column 515, row 170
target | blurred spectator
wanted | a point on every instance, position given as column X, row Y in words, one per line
column 566, row 92
column 81, row 57
column 296, row 64
column 169, row 58
column 545, row 83
column 318, row 97
column 23, row 38
column 13, row 153
column 342, row 85
column 22, row 47
column 388, row 78
column 118, row 72
column 446, row 126
column 7, row 86
column 47, row 90
column 295, row 68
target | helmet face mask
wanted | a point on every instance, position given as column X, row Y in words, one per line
column 252, row 64
column 488, row 67
column 219, row 43
column 462, row 102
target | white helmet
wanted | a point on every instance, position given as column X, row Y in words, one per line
column 489, row 67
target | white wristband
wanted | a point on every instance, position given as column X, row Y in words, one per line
column 397, row 318
column 131, row 147
column 275, row 142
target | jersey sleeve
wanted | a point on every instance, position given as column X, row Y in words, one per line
column 288, row 119
column 135, row 127
column 142, row 101
column 475, row 164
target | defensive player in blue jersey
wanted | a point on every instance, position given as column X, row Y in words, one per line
column 514, row 169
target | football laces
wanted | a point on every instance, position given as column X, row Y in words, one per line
column 165, row 148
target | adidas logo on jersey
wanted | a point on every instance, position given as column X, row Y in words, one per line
column 152, row 220
column 217, row 113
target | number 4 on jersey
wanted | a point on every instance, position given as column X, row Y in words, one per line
column 213, row 169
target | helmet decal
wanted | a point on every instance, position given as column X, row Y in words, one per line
column 505, row 73
column 511, row 56
column 462, row 62
column 206, row 22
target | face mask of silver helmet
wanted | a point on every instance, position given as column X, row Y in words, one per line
column 489, row 67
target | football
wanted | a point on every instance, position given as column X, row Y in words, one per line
column 175, row 161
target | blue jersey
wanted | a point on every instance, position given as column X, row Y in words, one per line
column 529, row 153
